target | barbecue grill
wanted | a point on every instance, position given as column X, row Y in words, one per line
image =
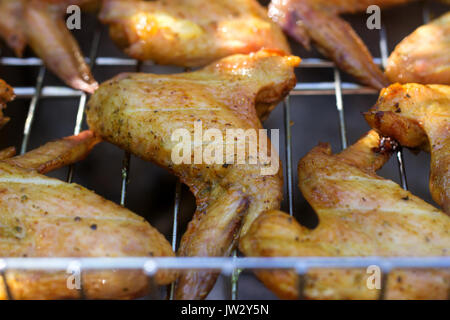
column 321, row 93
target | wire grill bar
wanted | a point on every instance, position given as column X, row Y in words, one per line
column 301, row 89
column 32, row 110
column 399, row 153
column 340, row 107
column 113, row 61
column 301, row 264
column 83, row 98
column 288, row 143
column 176, row 219
column 230, row 267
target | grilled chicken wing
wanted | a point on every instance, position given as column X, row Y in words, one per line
column 49, row 37
column 11, row 15
column 423, row 56
column 45, row 217
column 190, row 32
column 307, row 20
column 140, row 112
column 418, row 116
column 6, row 95
column 360, row 214
column 41, row 24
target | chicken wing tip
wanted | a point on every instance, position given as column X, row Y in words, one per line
column 82, row 85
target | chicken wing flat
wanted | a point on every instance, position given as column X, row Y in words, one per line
column 11, row 15
column 418, row 116
column 40, row 23
column 45, row 217
column 360, row 214
column 305, row 20
column 140, row 113
column 423, row 56
column 190, row 33
column 6, row 95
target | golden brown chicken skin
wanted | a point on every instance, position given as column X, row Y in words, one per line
column 140, row 112
column 360, row 214
column 190, row 33
column 418, row 116
column 45, row 217
column 424, row 56
column 11, row 15
column 307, row 21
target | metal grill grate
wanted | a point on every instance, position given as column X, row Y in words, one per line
column 231, row 267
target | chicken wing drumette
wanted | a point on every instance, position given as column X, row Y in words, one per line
column 140, row 112
column 418, row 116
column 423, row 56
column 45, row 217
column 360, row 214
column 190, row 33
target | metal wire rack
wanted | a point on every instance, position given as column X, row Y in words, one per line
column 231, row 267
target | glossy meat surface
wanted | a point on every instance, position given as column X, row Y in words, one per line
column 46, row 217
column 360, row 214
column 424, row 56
column 140, row 112
column 418, row 116
column 190, row 33
column 308, row 21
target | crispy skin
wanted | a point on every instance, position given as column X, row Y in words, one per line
column 140, row 112
column 190, row 33
column 11, row 29
column 6, row 95
column 45, row 217
column 423, row 56
column 360, row 214
column 334, row 37
column 418, row 116
column 49, row 37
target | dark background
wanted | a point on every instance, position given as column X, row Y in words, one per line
column 151, row 189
